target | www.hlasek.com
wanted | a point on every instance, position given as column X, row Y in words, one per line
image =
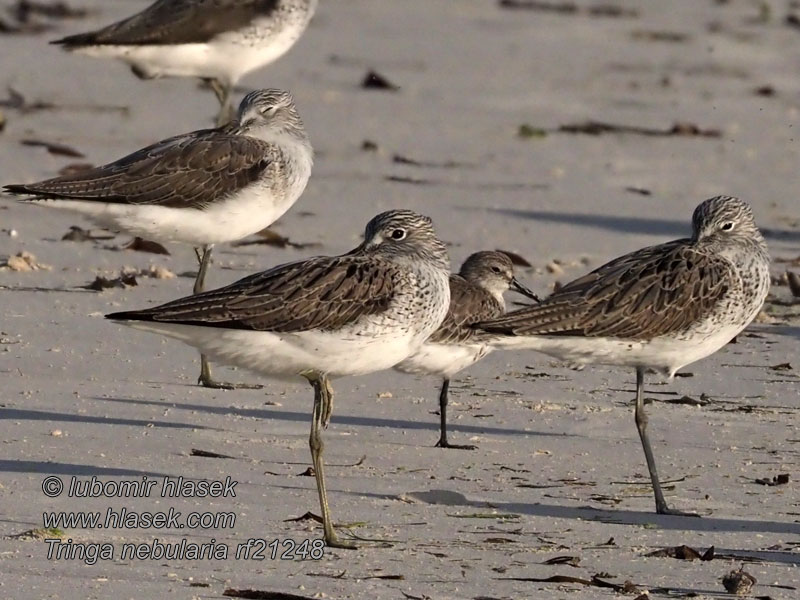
column 123, row 518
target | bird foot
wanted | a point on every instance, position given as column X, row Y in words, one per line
column 666, row 510
column 207, row 382
column 334, row 541
column 446, row 444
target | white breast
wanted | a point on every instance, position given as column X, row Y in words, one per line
column 442, row 359
column 664, row 354
column 288, row 355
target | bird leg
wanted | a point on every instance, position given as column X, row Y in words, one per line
column 203, row 259
column 205, row 379
column 641, row 425
column 223, row 94
column 443, row 443
column 323, row 406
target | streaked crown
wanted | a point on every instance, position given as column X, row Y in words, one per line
column 404, row 233
column 270, row 109
column 492, row 271
column 724, row 218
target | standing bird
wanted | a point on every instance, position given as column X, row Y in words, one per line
column 661, row 307
column 321, row 318
column 476, row 294
column 218, row 41
column 200, row 188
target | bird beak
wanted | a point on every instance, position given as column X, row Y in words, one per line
column 524, row 290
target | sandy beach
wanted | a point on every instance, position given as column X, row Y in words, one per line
column 566, row 132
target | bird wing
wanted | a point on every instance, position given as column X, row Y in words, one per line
column 651, row 292
column 187, row 171
column 468, row 304
column 321, row 293
column 176, row 22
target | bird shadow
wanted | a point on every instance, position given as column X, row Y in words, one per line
column 787, row 330
column 585, row 513
column 628, row 224
column 62, row 468
column 17, row 414
column 305, row 417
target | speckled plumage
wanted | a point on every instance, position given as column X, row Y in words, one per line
column 216, row 40
column 266, row 147
column 323, row 317
column 476, row 294
column 179, row 22
column 201, row 188
column 212, row 39
column 680, row 293
column 661, row 307
column 385, row 288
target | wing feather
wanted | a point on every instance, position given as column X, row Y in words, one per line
column 649, row 293
column 176, row 22
column 322, row 293
column 188, row 171
column 469, row 304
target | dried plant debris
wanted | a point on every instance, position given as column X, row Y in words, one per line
column 595, row 581
column 678, row 129
column 375, row 81
column 683, row 553
column 638, row 190
column 22, row 262
column 448, row 164
column 572, row 561
column 570, row 8
column 793, row 279
column 54, row 148
column 262, row 595
column 765, row 90
column 25, row 13
column 610, row 542
column 646, row 35
column 24, row 9
column 23, row 28
column 527, row 131
column 307, row 516
column 516, row 259
column 782, row 367
column 207, row 454
column 138, row 244
column 78, row 234
column 685, row 400
column 100, row 283
column 369, row 146
column 267, row 237
column 781, row 479
column 18, row 102
column 738, row 582
column 412, row 180
column 155, row 272
column 127, row 278
column 74, row 168
column 37, row 534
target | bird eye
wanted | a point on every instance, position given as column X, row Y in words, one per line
column 398, row 234
column 727, row 226
column 495, row 269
